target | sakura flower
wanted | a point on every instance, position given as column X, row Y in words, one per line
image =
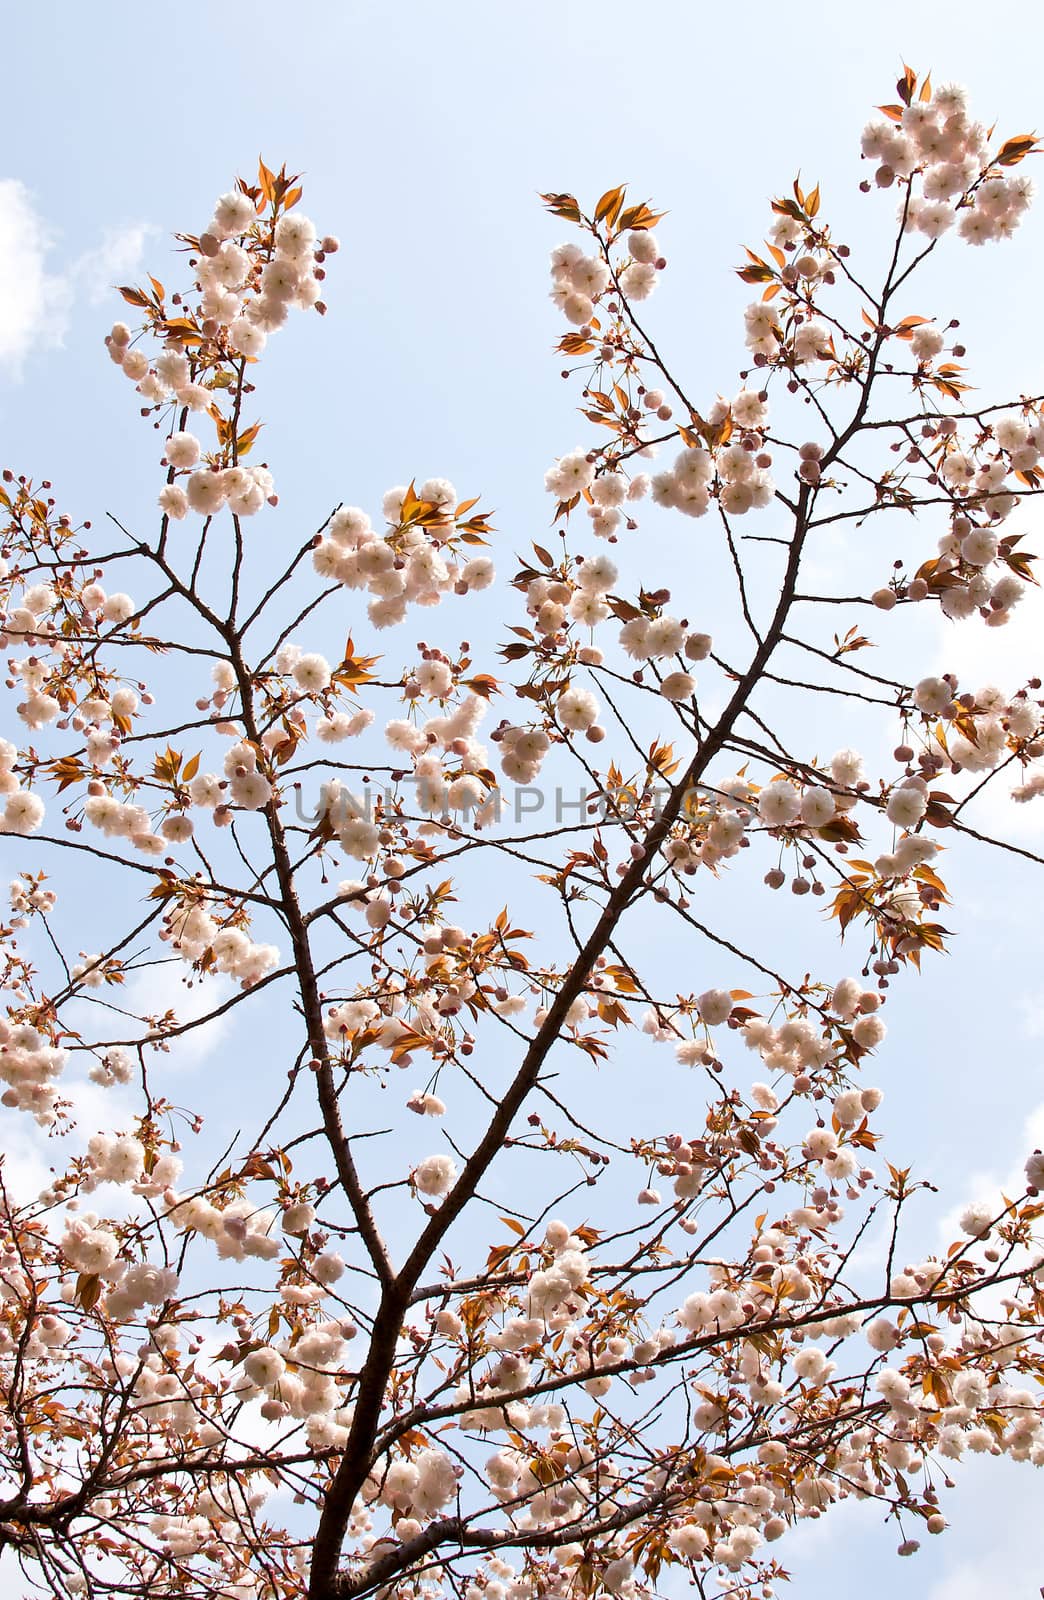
column 435, row 1175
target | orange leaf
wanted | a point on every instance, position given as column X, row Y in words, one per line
column 482, row 684
column 640, row 217
column 906, row 85
column 1016, row 149
column 266, row 179
column 609, row 206
column 88, row 1290
column 562, row 205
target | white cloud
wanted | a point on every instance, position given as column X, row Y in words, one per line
column 33, row 302
column 988, row 1187
column 1005, row 657
column 153, row 991
column 97, row 272
column 852, row 1550
column 1032, row 1009
column 26, row 1161
column 157, row 989
column 816, row 1538
column 36, row 297
column 30, row 1153
column 993, row 1500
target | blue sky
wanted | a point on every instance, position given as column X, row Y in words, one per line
column 424, row 134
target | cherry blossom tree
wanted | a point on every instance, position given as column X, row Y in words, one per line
column 430, row 1323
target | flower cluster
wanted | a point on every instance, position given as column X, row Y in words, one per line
column 239, row 1229
column 198, row 937
column 255, row 261
column 29, row 1064
column 416, row 1489
column 28, row 896
column 717, row 1256
column 970, row 731
column 579, row 281
column 961, row 182
column 414, row 561
column 309, row 1392
column 23, row 811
